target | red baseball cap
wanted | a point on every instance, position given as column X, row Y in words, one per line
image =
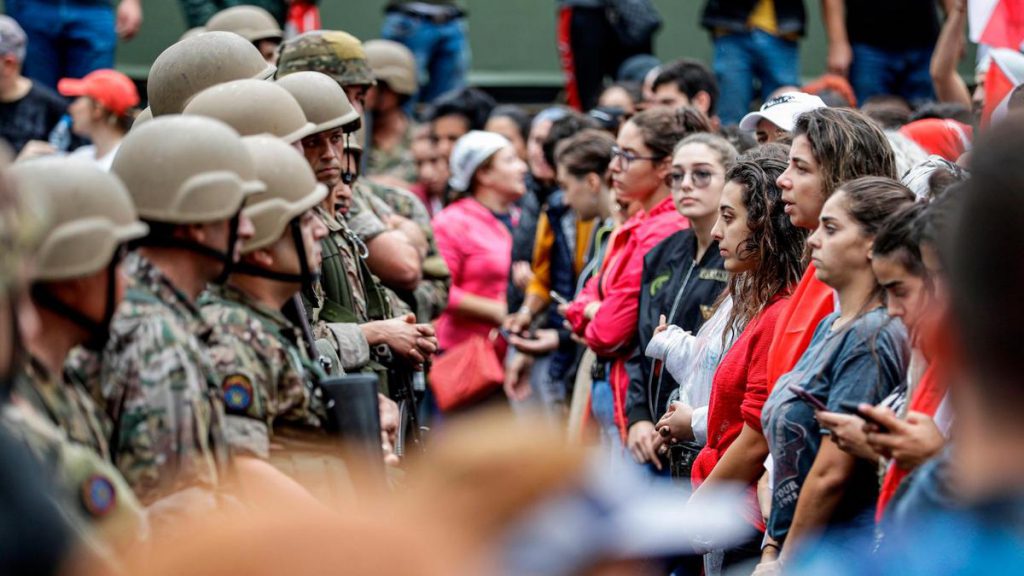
column 112, row 89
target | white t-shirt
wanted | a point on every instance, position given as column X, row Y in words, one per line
column 89, row 153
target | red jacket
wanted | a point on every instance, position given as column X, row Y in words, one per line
column 738, row 394
column 811, row 301
column 612, row 332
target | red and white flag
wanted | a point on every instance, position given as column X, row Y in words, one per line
column 1004, row 74
column 996, row 23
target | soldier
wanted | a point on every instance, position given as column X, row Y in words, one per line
column 396, row 245
column 254, row 107
column 190, row 65
column 394, row 66
column 252, row 23
column 75, row 288
column 263, row 360
column 338, row 54
column 169, row 431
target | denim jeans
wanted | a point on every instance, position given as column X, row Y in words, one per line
column 441, row 50
column 66, row 39
column 903, row 73
column 740, row 58
column 602, row 407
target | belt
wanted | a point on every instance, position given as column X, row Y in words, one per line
column 433, row 14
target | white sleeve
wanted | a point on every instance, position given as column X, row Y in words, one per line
column 699, row 424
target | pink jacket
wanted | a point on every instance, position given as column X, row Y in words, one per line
column 478, row 250
column 612, row 332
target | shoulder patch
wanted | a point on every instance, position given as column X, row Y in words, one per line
column 659, row 281
column 98, row 495
column 716, row 274
column 237, row 392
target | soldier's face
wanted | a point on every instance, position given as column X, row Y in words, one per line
column 323, row 153
column 283, row 252
column 342, row 191
column 357, row 96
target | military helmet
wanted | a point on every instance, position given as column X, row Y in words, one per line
column 355, row 140
column 291, row 190
column 91, row 214
column 322, row 100
column 186, row 170
column 142, row 117
column 253, row 107
column 192, row 64
column 393, row 63
column 196, row 31
column 23, row 217
column 338, row 54
column 250, row 22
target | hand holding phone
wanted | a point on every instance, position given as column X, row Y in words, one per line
column 854, row 408
column 561, row 301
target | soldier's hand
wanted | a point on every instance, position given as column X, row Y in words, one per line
column 407, row 339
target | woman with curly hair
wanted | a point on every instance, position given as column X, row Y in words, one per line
column 763, row 253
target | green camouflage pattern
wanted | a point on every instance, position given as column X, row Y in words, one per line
column 68, row 406
column 432, row 293
column 100, row 517
column 337, row 54
column 158, row 389
column 395, row 163
column 256, row 344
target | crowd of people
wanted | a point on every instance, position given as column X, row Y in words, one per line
column 300, row 295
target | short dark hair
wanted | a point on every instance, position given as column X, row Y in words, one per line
column 516, row 114
column 472, row 104
column 944, row 111
column 691, row 77
column 590, row 151
column 986, row 273
column 898, row 238
column 565, row 127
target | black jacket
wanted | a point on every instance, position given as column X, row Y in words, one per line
column 732, row 15
column 666, row 268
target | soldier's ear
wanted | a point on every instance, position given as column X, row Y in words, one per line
column 263, row 257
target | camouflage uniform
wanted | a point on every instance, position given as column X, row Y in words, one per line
column 169, row 419
column 266, row 375
column 397, row 162
column 91, row 492
column 431, row 296
column 67, row 406
column 337, row 54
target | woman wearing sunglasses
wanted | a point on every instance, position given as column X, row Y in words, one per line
column 682, row 278
column 604, row 314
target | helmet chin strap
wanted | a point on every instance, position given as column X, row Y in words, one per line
column 99, row 332
column 225, row 257
column 306, row 277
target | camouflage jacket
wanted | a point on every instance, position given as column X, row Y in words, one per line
column 91, row 493
column 265, row 373
column 67, row 406
column 167, row 412
column 397, row 162
column 431, row 296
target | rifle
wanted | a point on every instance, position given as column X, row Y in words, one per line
column 353, row 409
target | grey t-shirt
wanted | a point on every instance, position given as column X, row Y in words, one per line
column 862, row 362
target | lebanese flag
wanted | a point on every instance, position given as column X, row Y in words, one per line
column 1004, row 74
column 996, row 23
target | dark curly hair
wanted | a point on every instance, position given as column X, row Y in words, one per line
column 776, row 244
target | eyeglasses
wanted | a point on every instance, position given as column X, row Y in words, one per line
column 627, row 157
column 700, row 178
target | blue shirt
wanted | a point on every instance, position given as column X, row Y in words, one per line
column 861, row 362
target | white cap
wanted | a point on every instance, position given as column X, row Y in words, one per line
column 470, row 151
column 782, row 110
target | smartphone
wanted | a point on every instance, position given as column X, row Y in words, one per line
column 854, row 408
column 807, row 397
column 508, row 335
column 561, row 301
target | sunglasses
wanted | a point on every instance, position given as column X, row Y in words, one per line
column 700, row 177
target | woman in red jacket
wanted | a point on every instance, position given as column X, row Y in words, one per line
column 763, row 254
column 605, row 312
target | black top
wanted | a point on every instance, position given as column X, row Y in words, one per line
column 732, row 16
column 670, row 280
column 32, row 117
column 893, row 24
